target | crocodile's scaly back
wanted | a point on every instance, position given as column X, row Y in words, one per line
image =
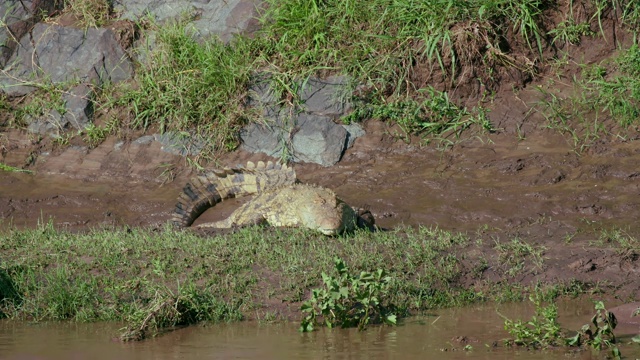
column 205, row 191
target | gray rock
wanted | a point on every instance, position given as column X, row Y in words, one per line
column 16, row 18
column 174, row 143
column 318, row 140
column 268, row 139
column 307, row 133
column 79, row 106
column 179, row 143
column 144, row 140
column 51, row 124
column 309, row 138
column 354, row 131
column 210, row 17
column 158, row 10
column 78, row 113
column 263, row 97
column 60, row 54
column 326, row 96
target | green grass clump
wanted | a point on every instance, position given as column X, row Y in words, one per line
column 191, row 87
column 429, row 113
column 90, row 13
column 380, row 41
column 194, row 86
column 606, row 101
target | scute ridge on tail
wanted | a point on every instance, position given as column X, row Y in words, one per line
column 212, row 187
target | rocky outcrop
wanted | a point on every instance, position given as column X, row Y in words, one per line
column 57, row 54
column 306, row 131
column 78, row 62
column 16, row 18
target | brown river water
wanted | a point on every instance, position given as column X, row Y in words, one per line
column 440, row 335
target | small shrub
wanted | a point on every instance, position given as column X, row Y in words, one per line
column 349, row 301
column 541, row 331
column 602, row 336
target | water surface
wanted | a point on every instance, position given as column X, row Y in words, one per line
column 441, row 335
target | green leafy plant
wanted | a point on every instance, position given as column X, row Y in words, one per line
column 349, row 301
column 541, row 331
column 570, row 32
column 602, row 336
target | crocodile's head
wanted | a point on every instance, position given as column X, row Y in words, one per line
column 328, row 215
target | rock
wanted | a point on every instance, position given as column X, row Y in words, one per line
column 174, row 143
column 179, row 144
column 311, row 138
column 78, row 114
column 16, row 18
column 307, row 133
column 326, row 96
column 79, row 105
column 60, row 54
column 317, row 139
column 260, row 138
column 209, row 17
column 144, row 140
column 47, row 125
column 354, row 131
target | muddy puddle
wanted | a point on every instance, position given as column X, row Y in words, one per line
column 443, row 334
column 27, row 200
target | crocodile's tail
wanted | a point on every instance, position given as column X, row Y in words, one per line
column 205, row 191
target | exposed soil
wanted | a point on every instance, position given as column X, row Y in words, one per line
column 524, row 180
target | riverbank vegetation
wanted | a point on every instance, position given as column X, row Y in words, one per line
column 430, row 68
column 411, row 65
column 157, row 280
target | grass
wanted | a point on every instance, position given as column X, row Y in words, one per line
column 189, row 87
column 158, row 280
column 606, row 101
column 8, row 168
column 391, row 50
column 625, row 245
column 514, row 255
column 90, row 13
column 199, row 87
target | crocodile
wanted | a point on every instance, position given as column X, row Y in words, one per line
column 280, row 200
